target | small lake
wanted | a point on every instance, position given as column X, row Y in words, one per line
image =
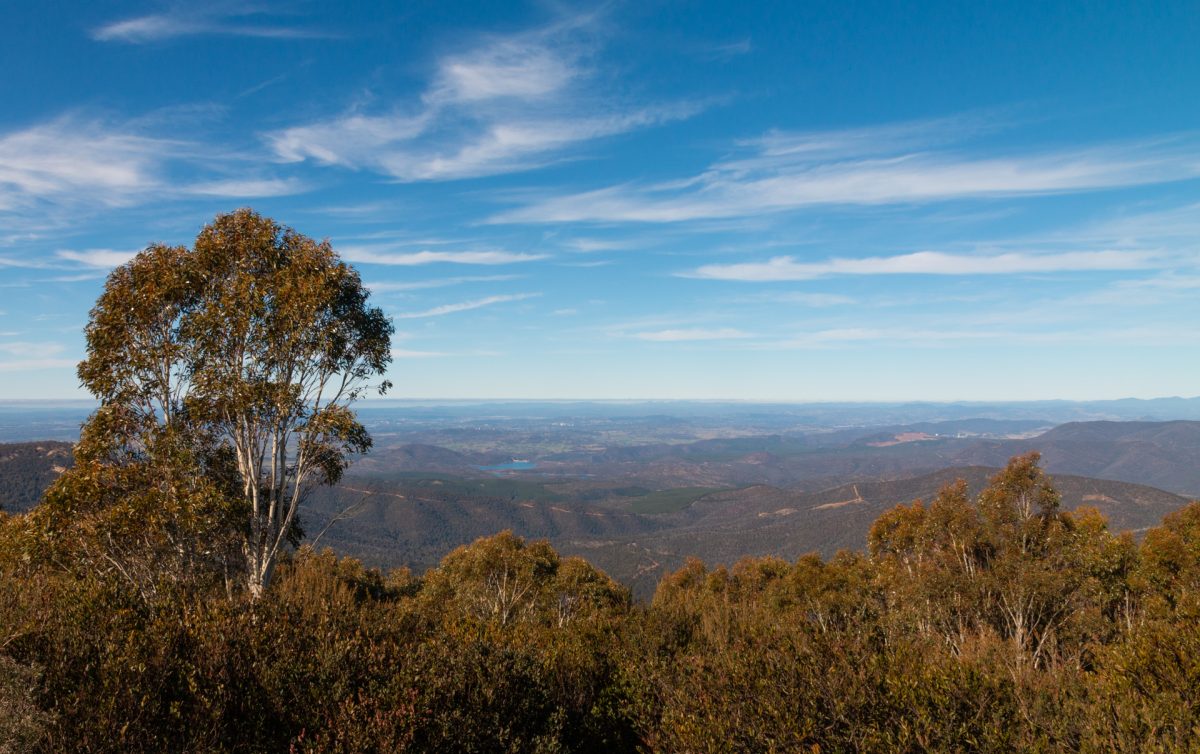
column 510, row 466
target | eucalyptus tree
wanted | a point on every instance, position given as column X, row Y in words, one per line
column 252, row 345
column 152, row 496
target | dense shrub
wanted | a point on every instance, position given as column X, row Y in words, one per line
column 22, row 722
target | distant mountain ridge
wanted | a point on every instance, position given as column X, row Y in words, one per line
column 27, row 469
column 410, row 503
column 1160, row 454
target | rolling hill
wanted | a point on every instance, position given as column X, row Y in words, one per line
column 419, row 521
column 637, row 511
column 1160, row 454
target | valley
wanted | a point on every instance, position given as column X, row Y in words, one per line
column 637, row 491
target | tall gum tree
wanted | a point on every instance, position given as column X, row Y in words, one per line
column 256, row 342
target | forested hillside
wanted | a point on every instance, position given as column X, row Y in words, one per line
column 1160, row 454
column 416, row 520
column 27, row 469
column 389, row 517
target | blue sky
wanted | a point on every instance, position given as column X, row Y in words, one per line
column 785, row 201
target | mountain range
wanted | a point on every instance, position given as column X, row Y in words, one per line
column 639, row 509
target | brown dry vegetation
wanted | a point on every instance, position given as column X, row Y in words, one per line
column 987, row 623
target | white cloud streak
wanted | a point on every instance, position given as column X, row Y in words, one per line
column 815, row 300
column 69, row 159
column 99, row 258
column 524, row 67
column 197, row 19
column 692, row 334
column 69, row 164
column 778, row 148
column 935, row 338
column 439, row 311
column 248, row 188
column 24, row 350
column 28, row 365
column 588, row 245
column 22, row 263
column 404, row 353
column 1167, row 288
column 905, row 166
column 373, row 255
column 77, row 278
column 416, row 285
column 786, row 268
column 508, row 104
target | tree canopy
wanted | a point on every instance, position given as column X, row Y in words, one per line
column 234, row 363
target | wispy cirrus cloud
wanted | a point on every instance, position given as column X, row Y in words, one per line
column 29, row 350
column 463, row 306
column 248, row 188
column 505, row 104
column 692, row 334
column 1169, row 281
column 848, row 337
column 99, row 258
column 384, row 256
column 815, row 300
column 778, row 148
column 23, row 263
column 728, row 50
column 899, row 164
column 408, row 353
column 108, row 258
column 526, row 66
column 81, row 277
column 797, row 298
column 29, row 365
column 392, row 286
column 786, row 268
column 18, row 356
column 1173, row 226
column 947, row 337
column 73, row 159
column 217, row 18
column 590, row 245
column 51, row 171
column 1164, row 289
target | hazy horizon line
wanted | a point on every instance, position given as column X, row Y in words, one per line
column 82, row 402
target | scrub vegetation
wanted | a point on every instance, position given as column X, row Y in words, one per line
column 993, row 623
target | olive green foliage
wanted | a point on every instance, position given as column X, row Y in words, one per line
column 506, row 580
column 334, row 658
column 225, row 375
column 22, row 723
column 161, row 518
column 992, row 624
